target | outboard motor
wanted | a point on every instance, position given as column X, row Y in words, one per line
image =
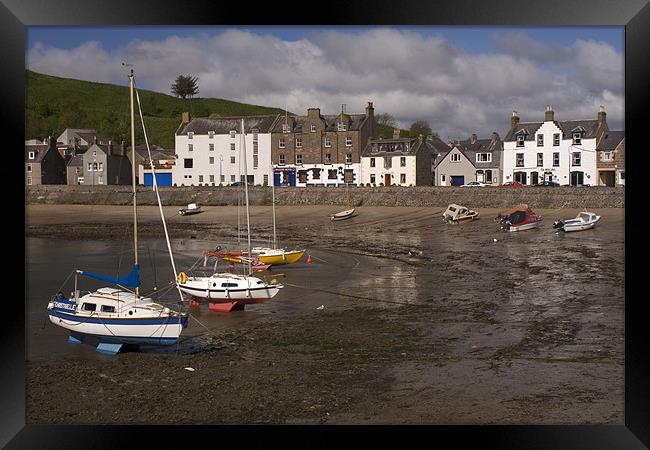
column 558, row 224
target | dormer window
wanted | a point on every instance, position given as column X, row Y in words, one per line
column 520, row 140
column 285, row 128
column 233, row 133
column 31, row 155
column 342, row 126
column 312, row 128
column 190, row 134
column 577, row 138
column 211, row 134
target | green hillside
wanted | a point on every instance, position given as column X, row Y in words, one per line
column 54, row 104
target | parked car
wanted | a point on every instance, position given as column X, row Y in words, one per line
column 237, row 183
column 548, row 183
column 474, row 184
column 514, row 184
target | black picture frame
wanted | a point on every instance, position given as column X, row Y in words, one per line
column 16, row 15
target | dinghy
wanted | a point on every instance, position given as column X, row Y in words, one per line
column 583, row 221
column 342, row 215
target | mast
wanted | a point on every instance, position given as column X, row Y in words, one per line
column 135, row 210
column 248, row 222
column 273, row 202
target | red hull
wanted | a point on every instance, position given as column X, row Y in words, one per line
column 230, row 306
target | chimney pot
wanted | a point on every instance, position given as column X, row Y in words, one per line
column 514, row 119
column 549, row 114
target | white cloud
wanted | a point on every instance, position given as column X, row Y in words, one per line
column 404, row 73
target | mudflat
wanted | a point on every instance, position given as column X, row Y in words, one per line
column 423, row 323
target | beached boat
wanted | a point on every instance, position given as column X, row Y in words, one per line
column 226, row 291
column 192, row 208
column 111, row 317
column 504, row 215
column 457, row 213
column 521, row 220
column 342, row 215
column 583, row 221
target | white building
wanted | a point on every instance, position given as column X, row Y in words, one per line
column 209, row 151
column 560, row 151
column 397, row 162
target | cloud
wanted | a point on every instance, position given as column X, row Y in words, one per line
column 409, row 75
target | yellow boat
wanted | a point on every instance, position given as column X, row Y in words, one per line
column 273, row 257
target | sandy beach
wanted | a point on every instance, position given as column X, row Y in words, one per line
column 424, row 323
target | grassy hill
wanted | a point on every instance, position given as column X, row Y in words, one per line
column 54, row 104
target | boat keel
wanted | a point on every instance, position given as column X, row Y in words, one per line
column 225, row 307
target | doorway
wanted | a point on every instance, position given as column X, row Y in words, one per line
column 387, row 179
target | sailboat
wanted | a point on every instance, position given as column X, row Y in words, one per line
column 112, row 317
column 227, row 291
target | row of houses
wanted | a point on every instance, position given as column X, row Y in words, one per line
column 339, row 150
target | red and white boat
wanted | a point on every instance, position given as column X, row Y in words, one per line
column 520, row 220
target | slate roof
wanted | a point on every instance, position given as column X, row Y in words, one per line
column 223, row 125
column 76, row 161
column 354, row 122
column 610, row 140
column 470, row 149
column 413, row 144
column 567, row 126
column 40, row 150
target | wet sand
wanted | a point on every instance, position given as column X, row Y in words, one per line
column 463, row 330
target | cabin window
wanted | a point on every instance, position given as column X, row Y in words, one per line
column 107, row 308
column 556, row 159
column 520, row 140
column 214, row 284
column 520, row 160
column 540, row 140
column 328, row 141
column 556, row 139
column 540, row 159
column 402, row 161
column 89, row 307
column 228, row 284
column 281, row 143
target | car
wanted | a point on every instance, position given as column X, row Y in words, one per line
column 514, row 184
column 474, row 184
column 237, row 183
column 548, row 183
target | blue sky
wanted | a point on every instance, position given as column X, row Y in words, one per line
column 461, row 80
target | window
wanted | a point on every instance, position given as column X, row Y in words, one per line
column 29, row 181
column 348, row 158
column 281, row 143
column 520, row 160
column 520, row 140
column 190, row 135
column 211, row 159
column 281, row 159
column 622, row 175
column 266, row 180
column 210, row 134
column 388, row 162
column 402, row 178
column 106, row 308
column 232, row 146
column 577, row 138
column 190, row 147
column 298, row 142
column 341, row 126
column 606, row 156
column 211, row 146
column 100, row 179
column 233, row 133
column 211, row 178
column 101, row 166
column 232, row 160
column 484, row 157
column 540, row 140
column 540, row 159
column 255, row 161
column 488, row 176
column 576, row 159
column 95, row 166
column 312, row 128
column 187, row 176
column 556, row 159
column 454, row 157
column 232, row 178
column 31, row 155
column 302, row 176
column 556, row 139
column 89, row 307
column 328, row 141
column 188, row 163
column 200, row 178
column 372, row 162
column 29, row 167
column 328, row 158
column 402, row 162
column 90, row 167
column 298, row 158
column 331, row 174
column 229, row 284
column 372, row 178
column 348, row 141
column 222, row 178
column 285, row 127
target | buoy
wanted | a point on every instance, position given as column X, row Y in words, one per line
column 309, row 259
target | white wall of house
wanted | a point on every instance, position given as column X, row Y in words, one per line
column 400, row 175
column 324, row 178
column 454, row 164
column 557, row 170
column 223, row 164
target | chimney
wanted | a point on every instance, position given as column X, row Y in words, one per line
column 495, row 136
column 514, row 120
column 473, row 138
column 370, row 111
column 122, row 148
column 396, row 133
column 313, row 113
column 601, row 116
column 185, row 117
column 110, row 147
column 549, row 114
column 420, row 137
column 94, row 139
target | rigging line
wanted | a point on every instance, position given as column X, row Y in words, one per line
column 358, row 297
column 66, row 280
column 155, row 184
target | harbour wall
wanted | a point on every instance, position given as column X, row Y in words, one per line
column 474, row 197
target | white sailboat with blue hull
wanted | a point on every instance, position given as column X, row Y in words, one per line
column 111, row 317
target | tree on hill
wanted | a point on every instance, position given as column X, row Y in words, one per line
column 420, row 127
column 386, row 119
column 185, row 86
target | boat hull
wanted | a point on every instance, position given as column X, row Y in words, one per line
column 280, row 260
column 524, row 227
column 241, row 295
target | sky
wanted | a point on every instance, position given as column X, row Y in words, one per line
column 460, row 80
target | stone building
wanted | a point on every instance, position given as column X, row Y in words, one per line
column 610, row 161
column 44, row 164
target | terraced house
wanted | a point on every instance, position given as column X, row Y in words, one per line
column 321, row 150
column 470, row 160
column 44, row 164
column 209, row 150
column 560, row 151
column 611, row 159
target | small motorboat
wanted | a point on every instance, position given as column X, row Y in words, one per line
column 457, row 213
column 192, row 208
column 583, row 221
column 342, row 215
column 521, row 220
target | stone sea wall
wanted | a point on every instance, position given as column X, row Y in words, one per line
column 475, row 197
